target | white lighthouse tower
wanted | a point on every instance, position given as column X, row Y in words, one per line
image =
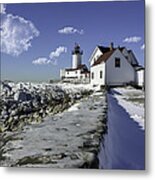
column 76, row 56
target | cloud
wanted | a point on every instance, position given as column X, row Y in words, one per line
column 58, row 52
column 16, row 34
column 2, row 8
column 70, row 30
column 142, row 47
column 53, row 57
column 41, row 61
column 133, row 39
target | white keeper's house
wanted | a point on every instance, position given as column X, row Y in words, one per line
column 115, row 66
column 79, row 72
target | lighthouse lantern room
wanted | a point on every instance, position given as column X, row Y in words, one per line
column 76, row 56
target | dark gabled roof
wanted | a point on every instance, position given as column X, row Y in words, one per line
column 85, row 72
column 121, row 48
column 103, row 49
column 69, row 69
column 138, row 67
column 106, row 49
column 142, row 68
column 82, row 66
column 107, row 52
column 104, row 57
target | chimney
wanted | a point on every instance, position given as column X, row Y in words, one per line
column 111, row 46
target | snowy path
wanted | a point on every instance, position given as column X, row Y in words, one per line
column 124, row 145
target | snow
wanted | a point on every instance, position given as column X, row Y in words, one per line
column 75, row 107
column 135, row 110
column 123, row 147
column 73, row 134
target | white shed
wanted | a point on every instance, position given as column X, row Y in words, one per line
column 140, row 77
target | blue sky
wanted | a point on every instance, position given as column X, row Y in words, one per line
column 37, row 39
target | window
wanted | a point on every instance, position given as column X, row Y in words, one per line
column 101, row 74
column 92, row 75
column 117, row 62
column 75, row 72
column 67, row 72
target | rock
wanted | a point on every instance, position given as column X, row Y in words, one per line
column 58, row 156
column 10, row 120
column 22, row 96
column 4, row 113
column 36, row 100
column 14, row 112
column 36, row 115
column 23, row 116
column 2, row 128
column 77, row 96
column 74, row 157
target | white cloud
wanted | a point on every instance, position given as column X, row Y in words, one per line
column 58, row 52
column 41, row 61
column 133, row 39
column 53, row 57
column 70, row 30
column 2, row 8
column 16, row 34
column 142, row 47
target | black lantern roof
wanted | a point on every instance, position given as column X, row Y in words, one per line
column 77, row 49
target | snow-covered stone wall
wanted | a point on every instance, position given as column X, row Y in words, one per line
column 26, row 103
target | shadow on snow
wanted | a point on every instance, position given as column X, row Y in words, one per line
column 123, row 147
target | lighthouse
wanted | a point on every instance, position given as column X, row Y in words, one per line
column 76, row 56
column 78, row 73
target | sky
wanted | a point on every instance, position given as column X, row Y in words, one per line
column 37, row 38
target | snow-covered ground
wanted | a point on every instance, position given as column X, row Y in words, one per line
column 70, row 139
column 123, row 146
column 133, row 102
